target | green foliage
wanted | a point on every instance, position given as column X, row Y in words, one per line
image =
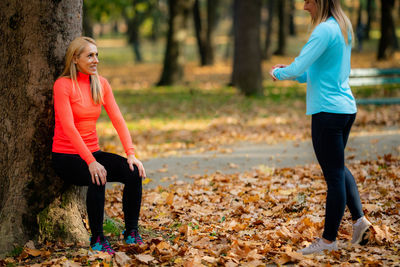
column 16, row 251
column 113, row 227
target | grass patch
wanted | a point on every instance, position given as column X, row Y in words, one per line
column 177, row 102
column 113, row 227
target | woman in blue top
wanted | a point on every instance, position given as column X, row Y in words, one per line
column 324, row 63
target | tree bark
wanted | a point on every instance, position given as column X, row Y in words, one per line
column 247, row 54
column 388, row 41
column 173, row 70
column 283, row 27
column 33, row 49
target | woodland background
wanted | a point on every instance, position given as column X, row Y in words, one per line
column 189, row 75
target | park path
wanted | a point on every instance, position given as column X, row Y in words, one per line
column 246, row 156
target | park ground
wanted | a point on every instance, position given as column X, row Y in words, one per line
column 234, row 215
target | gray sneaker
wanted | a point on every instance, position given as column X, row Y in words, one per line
column 318, row 247
column 360, row 230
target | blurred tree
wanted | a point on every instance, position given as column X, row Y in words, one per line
column 292, row 11
column 33, row 52
column 104, row 11
column 173, row 69
column 283, row 11
column 156, row 16
column 136, row 14
column 388, row 41
column 360, row 27
column 246, row 73
column 267, row 47
column 371, row 7
column 204, row 31
column 140, row 10
column 87, row 23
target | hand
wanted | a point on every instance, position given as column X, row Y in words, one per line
column 279, row 66
column 132, row 160
column 271, row 72
column 98, row 173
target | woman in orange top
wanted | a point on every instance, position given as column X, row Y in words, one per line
column 79, row 94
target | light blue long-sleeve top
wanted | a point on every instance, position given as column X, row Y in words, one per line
column 324, row 63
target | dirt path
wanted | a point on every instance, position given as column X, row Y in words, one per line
column 245, row 156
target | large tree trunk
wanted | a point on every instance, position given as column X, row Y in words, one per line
column 173, row 70
column 388, row 41
column 247, row 55
column 33, row 40
column 283, row 27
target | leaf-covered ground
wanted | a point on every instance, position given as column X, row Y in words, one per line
column 247, row 219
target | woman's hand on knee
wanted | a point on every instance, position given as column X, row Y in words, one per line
column 98, row 173
column 132, row 160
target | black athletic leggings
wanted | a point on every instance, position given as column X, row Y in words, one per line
column 74, row 170
column 330, row 132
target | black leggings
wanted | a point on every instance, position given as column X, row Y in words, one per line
column 74, row 170
column 330, row 132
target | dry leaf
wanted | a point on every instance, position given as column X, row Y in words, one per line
column 145, row 258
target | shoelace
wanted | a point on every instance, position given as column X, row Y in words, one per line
column 106, row 245
column 315, row 244
column 137, row 237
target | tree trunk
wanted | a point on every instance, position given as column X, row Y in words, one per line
column 133, row 32
column 388, row 41
column 156, row 16
column 33, row 53
column 283, row 27
column 370, row 17
column 200, row 34
column 173, row 69
column 292, row 26
column 212, row 7
column 87, row 21
column 204, row 35
column 247, row 55
column 267, row 48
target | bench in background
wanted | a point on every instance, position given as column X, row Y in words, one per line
column 374, row 76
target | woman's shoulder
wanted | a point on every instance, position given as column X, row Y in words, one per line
column 325, row 29
column 104, row 84
column 330, row 25
column 63, row 83
column 103, row 81
column 63, row 79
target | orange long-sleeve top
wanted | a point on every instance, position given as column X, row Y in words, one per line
column 76, row 115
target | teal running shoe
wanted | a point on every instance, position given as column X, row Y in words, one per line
column 101, row 245
column 133, row 238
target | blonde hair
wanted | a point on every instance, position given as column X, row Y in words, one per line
column 75, row 49
column 327, row 8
